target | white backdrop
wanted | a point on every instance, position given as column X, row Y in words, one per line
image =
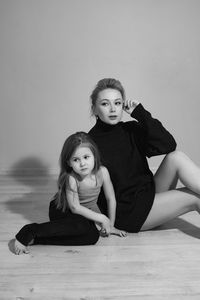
column 54, row 51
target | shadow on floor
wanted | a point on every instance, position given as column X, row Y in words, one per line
column 32, row 175
column 182, row 225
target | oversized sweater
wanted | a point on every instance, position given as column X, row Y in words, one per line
column 124, row 149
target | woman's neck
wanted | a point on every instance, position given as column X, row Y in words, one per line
column 105, row 126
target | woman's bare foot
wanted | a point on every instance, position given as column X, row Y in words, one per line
column 20, row 248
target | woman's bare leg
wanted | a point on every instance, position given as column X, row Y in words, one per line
column 176, row 165
column 170, row 203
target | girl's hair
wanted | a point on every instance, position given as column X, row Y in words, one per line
column 106, row 83
column 71, row 144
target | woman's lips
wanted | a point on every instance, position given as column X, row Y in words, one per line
column 112, row 117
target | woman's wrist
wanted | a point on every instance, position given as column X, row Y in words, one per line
column 130, row 105
column 136, row 103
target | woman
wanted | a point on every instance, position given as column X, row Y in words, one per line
column 144, row 201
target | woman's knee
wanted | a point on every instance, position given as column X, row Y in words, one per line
column 175, row 156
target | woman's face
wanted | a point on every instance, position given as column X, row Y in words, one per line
column 109, row 106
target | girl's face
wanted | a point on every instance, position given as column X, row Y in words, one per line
column 82, row 161
column 109, row 106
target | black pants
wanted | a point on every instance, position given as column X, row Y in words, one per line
column 62, row 229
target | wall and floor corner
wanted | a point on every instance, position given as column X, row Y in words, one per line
column 53, row 52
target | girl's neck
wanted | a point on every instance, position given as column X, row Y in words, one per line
column 81, row 178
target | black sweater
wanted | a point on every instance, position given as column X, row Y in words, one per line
column 124, row 148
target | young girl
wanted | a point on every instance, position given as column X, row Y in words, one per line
column 144, row 201
column 75, row 210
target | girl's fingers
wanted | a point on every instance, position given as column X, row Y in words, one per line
column 104, row 233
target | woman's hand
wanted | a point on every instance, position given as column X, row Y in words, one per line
column 118, row 232
column 129, row 106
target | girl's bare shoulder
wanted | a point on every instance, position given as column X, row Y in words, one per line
column 104, row 172
column 72, row 182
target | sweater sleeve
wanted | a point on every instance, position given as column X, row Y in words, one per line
column 150, row 135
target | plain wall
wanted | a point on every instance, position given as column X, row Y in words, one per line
column 52, row 54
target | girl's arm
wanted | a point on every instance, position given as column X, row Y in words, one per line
column 109, row 194
column 111, row 201
column 77, row 208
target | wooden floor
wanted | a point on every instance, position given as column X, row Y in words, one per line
column 159, row 264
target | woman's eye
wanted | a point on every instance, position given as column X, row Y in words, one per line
column 118, row 103
column 86, row 157
column 104, row 103
column 75, row 159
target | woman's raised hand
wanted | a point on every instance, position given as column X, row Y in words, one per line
column 129, row 106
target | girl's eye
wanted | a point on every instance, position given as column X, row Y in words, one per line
column 104, row 103
column 86, row 157
column 75, row 159
column 118, row 103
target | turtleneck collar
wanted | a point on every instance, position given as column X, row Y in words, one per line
column 104, row 127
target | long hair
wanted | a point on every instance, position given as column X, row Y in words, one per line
column 103, row 84
column 70, row 145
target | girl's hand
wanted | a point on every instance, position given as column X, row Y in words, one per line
column 129, row 106
column 103, row 232
column 118, row 232
column 105, row 226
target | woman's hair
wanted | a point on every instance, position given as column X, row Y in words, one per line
column 71, row 144
column 106, row 83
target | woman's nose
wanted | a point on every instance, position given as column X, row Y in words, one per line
column 112, row 108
